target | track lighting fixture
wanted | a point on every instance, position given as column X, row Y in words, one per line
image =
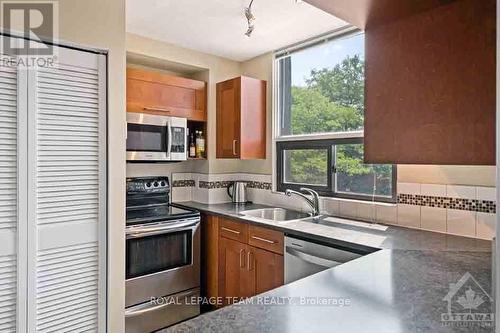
column 250, row 18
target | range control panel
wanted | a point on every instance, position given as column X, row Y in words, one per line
column 148, row 185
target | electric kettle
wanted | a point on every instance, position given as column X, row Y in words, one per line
column 237, row 191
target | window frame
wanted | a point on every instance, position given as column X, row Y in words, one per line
column 312, row 141
column 328, row 190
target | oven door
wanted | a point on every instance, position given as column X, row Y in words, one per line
column 148, row 137
column 162, row 259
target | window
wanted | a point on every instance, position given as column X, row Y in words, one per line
column 320, row 116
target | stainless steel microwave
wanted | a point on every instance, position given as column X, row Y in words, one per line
column 153, row 138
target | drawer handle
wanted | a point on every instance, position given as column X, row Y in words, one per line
column 264, row 240
column 155, row 109
column 230, row 230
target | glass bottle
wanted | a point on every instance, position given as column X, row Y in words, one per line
column 192, row 147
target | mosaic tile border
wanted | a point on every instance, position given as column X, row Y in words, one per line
column 473, row 205
column 223, row 184
column 214, row 184
column 184, row 183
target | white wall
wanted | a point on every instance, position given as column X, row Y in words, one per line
column 101, row 24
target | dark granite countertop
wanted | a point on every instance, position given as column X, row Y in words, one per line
column 361, row 238
column 386, row 291
column 400, row 288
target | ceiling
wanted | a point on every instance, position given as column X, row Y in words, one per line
column 218, row 26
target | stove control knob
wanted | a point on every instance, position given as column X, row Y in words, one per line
column 148, row 185
column 162, row 183
column 155, row 184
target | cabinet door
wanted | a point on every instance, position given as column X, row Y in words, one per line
column 234, row 278
column 157, row 93
column 228, row 118
column 67, row 195
column 267, row 269
column 13, row 114
column 209, row 255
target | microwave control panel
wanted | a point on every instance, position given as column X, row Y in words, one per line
column 178, row 144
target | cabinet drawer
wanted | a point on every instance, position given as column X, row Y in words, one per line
column 233, row 230
column 266, row 239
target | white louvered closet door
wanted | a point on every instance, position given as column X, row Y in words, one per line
column 12, row 198
column 66, row 197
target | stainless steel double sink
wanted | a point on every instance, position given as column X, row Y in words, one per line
column 276, row 214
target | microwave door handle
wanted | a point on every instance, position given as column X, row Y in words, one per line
column 169, row 139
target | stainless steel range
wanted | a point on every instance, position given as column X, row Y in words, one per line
column 162, row 257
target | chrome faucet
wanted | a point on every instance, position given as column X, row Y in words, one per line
column 313, row 202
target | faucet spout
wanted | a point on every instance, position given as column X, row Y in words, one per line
column 313, row 202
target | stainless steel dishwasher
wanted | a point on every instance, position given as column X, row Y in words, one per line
column 303, row 258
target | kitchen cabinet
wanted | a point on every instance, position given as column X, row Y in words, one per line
column 245, row 271
column 236, row 277
column 157, row 93
column 209, row 256
column 241, row 118
column 431, row 87
column 239, row 260
column 269, row 269
column 430, row 79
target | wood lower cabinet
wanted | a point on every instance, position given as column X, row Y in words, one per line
column 239, row 260
column 236, row 278
column 241, row 118
column 245, row 271
column 268, row 269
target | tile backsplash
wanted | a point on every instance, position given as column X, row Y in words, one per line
column 453, row 209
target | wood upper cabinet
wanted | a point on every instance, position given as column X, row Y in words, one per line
column 430, row 69
column 431, row 87
column 241, row 118
column 158, row 93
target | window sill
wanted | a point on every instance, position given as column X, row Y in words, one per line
column 321, row 136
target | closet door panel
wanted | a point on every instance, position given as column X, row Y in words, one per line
column 12, row 208
column 8, row 198
column 67, row 170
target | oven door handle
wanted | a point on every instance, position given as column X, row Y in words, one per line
column 134, row 313
column 164, row 229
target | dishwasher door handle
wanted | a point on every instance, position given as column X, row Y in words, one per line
column 312, row 258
